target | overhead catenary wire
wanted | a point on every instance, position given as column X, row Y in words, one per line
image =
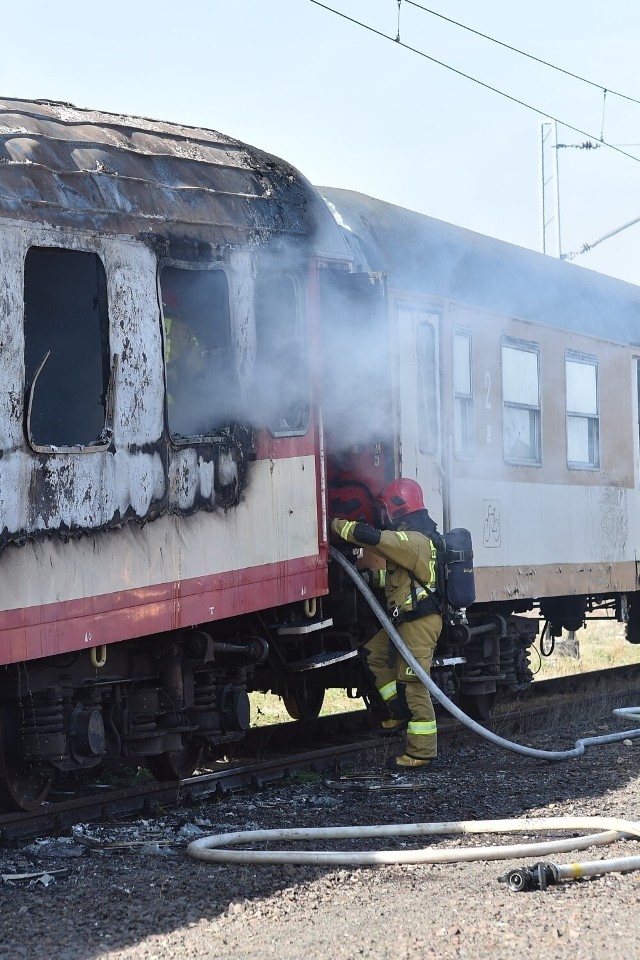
column 467, row 76
column 523, row 53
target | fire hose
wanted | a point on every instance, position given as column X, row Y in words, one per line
column 543, row 874
column 454, row 710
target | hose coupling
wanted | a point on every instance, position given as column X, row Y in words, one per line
column 538, row 877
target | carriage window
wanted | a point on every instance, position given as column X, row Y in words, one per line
column 202, row 380
column 521, row 404
column 463, row 394
column 583, row 424
column 427, row 397
column 282, row 379
column 66, row 347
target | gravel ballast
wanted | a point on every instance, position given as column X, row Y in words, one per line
column 145, row 899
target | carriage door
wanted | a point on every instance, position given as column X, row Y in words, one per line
column 356, row 397
column 419, row 404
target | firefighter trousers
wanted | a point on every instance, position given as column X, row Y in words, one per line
column 393, row 678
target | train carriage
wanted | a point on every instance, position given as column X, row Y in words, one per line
column 160, row 461
column 512, row 397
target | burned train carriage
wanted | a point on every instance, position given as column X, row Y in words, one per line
column 162, row 532
column 507, row 383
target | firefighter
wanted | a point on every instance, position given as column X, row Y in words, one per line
column 181, row 346
column 406, row 543
column 185, row 364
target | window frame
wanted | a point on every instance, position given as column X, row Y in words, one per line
column 463, row 402
column 534, row 410
column 266, row 274
column 427, row 385
column 593, row 420
column 109, row 363
column 215, row 434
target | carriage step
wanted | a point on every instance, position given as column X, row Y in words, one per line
column 301, row 629
column 321, row 660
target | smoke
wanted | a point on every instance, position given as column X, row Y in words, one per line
column 355, row 375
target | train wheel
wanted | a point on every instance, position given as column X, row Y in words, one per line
column 22, row 787
column 304, row 704
column 176, row 764
column 478, row 706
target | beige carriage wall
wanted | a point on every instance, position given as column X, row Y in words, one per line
column 544, row 530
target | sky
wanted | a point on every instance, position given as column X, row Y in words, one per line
column 353, row 109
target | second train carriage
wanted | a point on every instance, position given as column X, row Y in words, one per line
column 509, row 385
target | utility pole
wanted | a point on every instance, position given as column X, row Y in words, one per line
column 550, row 189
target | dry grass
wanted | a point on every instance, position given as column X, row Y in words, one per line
column 602, row 644
column 267, row 708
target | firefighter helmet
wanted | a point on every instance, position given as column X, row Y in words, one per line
column 400, row 497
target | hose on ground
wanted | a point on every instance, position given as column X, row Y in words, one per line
column 214, row 849
column 454, row 710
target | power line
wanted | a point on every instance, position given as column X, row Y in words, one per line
column 467, row 76
column 522, row 53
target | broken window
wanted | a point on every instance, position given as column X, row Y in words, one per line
column 282, row 380
column 202, row 379
column 66, row 333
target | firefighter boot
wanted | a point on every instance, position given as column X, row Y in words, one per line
column 399, row 713
column 407, row 764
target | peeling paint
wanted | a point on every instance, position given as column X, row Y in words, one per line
column 613, row 522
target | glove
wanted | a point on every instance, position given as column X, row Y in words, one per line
column 332, row 527
column 362, row 533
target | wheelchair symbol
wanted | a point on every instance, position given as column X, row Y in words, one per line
column 491, row 527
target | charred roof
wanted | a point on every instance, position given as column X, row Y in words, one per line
column 68, row 166
column 429, row 257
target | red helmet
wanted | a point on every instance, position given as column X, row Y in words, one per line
column 401, row 497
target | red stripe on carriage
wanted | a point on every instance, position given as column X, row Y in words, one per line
column 69, row 625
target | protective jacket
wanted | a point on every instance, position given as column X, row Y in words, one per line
column 411, row 566
column 177, row 347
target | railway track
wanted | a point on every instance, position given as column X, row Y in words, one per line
column 325, row 746
column 339, row 740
